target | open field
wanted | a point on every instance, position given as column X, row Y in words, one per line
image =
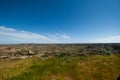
column 59, row 39
column 60, row 62
column 94, row 67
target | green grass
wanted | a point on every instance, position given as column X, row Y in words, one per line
column 95, row 67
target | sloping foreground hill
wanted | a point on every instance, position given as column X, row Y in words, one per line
column 95, row 67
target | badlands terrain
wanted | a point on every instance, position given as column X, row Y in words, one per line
column 60, row 61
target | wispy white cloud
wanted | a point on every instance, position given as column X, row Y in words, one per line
column 20, row 34
column 112, row 39
column 59, row 36
column 2, row 28
column 64, row 36
column 30, row 37
column 11, row 35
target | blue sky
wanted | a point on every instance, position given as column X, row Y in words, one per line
column 59, row 21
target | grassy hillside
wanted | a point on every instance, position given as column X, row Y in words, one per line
column 95, row 67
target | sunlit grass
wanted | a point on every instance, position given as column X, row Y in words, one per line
column 96, row 67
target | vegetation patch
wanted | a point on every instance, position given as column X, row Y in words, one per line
column 97, row 67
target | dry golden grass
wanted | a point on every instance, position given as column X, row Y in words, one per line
column 96, row 67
